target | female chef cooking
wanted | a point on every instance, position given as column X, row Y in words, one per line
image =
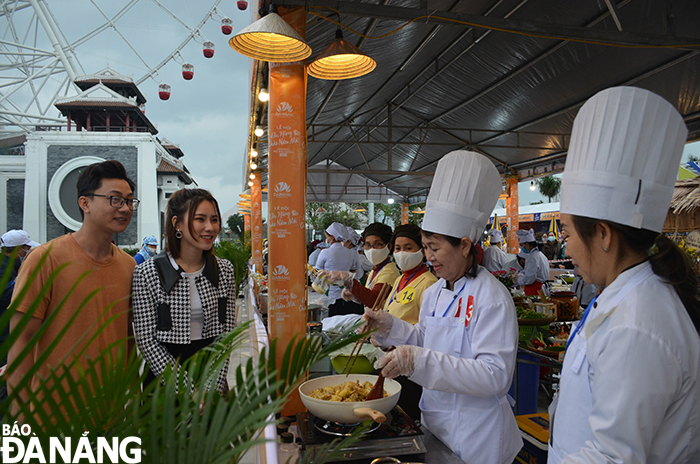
column 629, row 383
column 463, row 348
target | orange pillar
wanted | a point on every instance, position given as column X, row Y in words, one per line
column 512, row 214
column 287, row 303
column 256, row 236
column 404, row 213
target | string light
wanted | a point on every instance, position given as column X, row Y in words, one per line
column 532, row 185
column 263, row 95
column 390, row 201
column 253, row 153
column 250, row 183
column 259, row 131
column 252, row 176
column 253, row 166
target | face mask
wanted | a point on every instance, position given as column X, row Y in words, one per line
column 375, row 256
column 408, row 260
column 524, row 250
column 147, row 251
column 551, row 239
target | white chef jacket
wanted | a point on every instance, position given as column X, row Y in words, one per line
column 514, row 264
column 313, row 257
column 337, row 258
column 630, row 391
column 536, row 268
column 494, row 259
column 466, row 366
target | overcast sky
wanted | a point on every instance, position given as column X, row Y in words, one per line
column 207, row 116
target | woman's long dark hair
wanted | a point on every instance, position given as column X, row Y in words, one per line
column 455, row 242
column 669, row 262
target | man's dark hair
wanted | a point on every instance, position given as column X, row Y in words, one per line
column 90, row 178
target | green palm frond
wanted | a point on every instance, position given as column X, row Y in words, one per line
column 179, row 420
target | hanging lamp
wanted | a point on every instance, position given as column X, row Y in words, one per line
column 341, row 60
column 270, row 38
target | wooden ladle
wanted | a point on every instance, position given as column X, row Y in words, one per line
column 378, row 390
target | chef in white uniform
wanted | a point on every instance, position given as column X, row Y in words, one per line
column 536, row 270
column 630, row 391
column 463, row 349
column 494, row 257
column 516, row 265
column 338, row 258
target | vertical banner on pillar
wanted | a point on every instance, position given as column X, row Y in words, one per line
column 256, row 236
column 512, row 210
column 246, row 222
column 404, row 213
column 287, row 201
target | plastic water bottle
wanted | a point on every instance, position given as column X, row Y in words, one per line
column 288, row 450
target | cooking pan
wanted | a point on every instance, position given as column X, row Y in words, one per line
column 349, row 412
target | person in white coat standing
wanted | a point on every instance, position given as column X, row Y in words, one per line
column 494, row 257
column 630, row 391
column 536, row 270
column 463, row 349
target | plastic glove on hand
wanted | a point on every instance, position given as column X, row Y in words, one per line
column 401, row 361
column 379, row 319
column 347, row 295
column 340, row 277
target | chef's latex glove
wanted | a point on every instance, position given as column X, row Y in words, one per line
column 381, row 320
column 347, row 295
column 343, row 278
column 401, row 361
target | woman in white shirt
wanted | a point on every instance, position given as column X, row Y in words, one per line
column 630, row 382
column 338, row 258
column 462, row 350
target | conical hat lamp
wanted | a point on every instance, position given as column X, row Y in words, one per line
column 341, row 60
column 270, row 38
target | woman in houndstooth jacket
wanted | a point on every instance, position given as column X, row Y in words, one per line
column 184, row 298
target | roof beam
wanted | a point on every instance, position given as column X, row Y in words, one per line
column 531, row 28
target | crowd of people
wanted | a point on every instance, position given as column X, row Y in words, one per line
column 630, row 387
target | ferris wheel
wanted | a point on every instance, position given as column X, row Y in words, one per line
column 39, row 62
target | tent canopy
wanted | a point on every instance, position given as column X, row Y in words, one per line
column 501, row 77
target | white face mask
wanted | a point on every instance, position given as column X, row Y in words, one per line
column 408, row 260
column 377, row 256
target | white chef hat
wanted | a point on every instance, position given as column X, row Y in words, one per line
column 353, row 236
column 337, row 231
column 495, row 235
column 464, row 191
column 626, row 145
column 522, row 255
column 525, row 236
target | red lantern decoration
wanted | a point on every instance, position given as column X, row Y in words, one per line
column 226, row 26
column 164, row 91
column 208, row 49
column 187, row 71
column 242, row 5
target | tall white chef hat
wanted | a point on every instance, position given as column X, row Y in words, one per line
column 626, row 145
column 464, row 191
column 525, row 236
column 337, row 231
column 495, row 235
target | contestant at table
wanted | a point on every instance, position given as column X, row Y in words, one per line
column 630, row 391
column 463, row 348
column 338, row 258
column 407, row 296
column 536, row 269
column 494, row 257
column 377, row 248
